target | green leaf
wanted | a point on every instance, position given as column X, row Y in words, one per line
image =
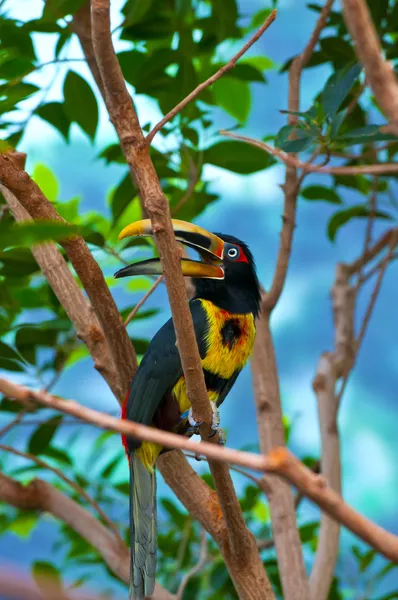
column 27, row 339
column 366, row 559
column 23, row 524
column 385, row 570
column 30, row 233
column 237, row 157
column 303, row 138
column 46, row 181
column 259, row 17
column 308, row 531
column 58, row 455
column 13, row 94
column 80, row 103
column 112, row 153
column 8, row 352
column 365, row 135
column 42, row 436
column 54, row 113
column 45, row 575
column 337, row 87
column 111, row 466
column 11, row 365
column 122, row 196
column 176, row 516
column 337, row 50
column 261, row 63
column 261, row 511
column 342, row 217
column 61, row 8
column 319, row 192
column 233, row 96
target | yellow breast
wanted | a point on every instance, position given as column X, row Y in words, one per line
column 221, row 359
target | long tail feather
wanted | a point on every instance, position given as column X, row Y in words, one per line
column 143, row 530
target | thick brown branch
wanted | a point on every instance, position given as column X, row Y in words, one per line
column 329, row 534
column 123, row 116
column 379, row 73
column 33, row 200
column 279, row 462
column 205, row 84
column 270, row 426
column 316, row 489
column 126, row 130
column 264, row 368
column 77, row 307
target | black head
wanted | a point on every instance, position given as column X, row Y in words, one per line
column 239, row 290
column 226, row 275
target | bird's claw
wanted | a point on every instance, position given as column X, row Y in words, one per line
column 189, row 416
column 222, row 438
column 215, row 424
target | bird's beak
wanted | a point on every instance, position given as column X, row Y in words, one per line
column 209, row 246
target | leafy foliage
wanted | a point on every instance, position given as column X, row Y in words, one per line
column 169, row 47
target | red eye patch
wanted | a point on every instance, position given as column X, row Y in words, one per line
column 242, row 256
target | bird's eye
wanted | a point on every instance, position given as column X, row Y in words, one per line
column 233, row 252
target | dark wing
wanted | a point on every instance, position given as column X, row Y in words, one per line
column 227, row 388
column 160, row 368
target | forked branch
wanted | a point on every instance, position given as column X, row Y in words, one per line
column 279, row 462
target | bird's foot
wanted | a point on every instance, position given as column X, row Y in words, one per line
column 215, row 424
column 194, row 425
column 222, row 438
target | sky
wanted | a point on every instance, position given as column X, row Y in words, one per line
column 302, row 326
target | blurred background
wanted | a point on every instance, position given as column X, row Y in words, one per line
column 250, row 208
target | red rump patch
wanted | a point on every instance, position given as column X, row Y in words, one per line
column 124, row 416
column 242, row 256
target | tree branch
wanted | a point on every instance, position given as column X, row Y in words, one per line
column 195, row 569
column 143, row 300
column 379, row 73
column 77, row 488
column 77, row 307
column 123, row 115
column 291, row 161
column 279, row 462
column 264, row 367
column 205, row 84
column 41, row 496
column 33, row 200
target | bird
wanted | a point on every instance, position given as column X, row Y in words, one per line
column 223, row 308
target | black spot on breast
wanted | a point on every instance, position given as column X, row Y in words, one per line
column 230, row 332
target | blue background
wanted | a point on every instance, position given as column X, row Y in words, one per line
column 250, row 208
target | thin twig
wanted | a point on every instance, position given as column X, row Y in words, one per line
column 264, row 483
column 195, row 176
column 143, row 300
column 369, row 311
column 205, row 84
column 384, row 241
column 291, row 161
column 12, row 424
column 196, row 568
column 369, row 228
column 78, row 489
